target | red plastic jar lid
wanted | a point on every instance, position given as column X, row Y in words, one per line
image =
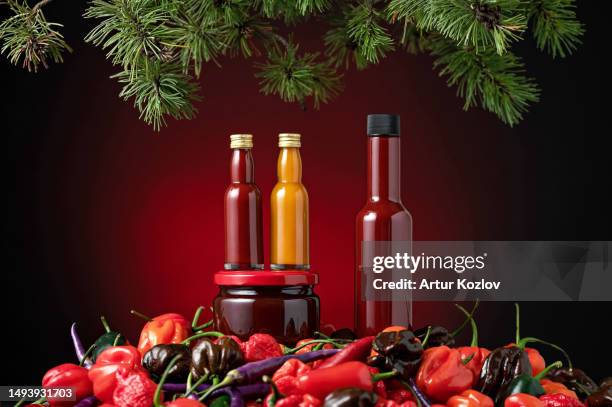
column 269, row 278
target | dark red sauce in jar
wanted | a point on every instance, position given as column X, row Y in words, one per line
column 280, row 303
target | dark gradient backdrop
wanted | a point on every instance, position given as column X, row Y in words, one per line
column 110, row 216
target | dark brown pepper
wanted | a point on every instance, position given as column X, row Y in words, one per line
column 574, row 379
column 601, row 398
column 159, row 356
column 501, row 367
column 400, row 351
column 218, row 358
column 438, row 336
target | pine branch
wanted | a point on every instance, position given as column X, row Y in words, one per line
column 159, row 90
column 478, row 24
column 294, row 78
column 365, row 28
column 555, row 26
column 495, row 82
column 130, row 30
column 27, row 38
column 340, row 48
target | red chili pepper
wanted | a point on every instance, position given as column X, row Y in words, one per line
column 442, row 374
column 560, row 400
column 184, row 403
column 285, row 378
column 68, row 375
column 358, row 350
column 163, row 329
column 260, row 347
column 551, row 387
column 134, row 389
column 103, row 372
column 321, row 382
column 476, row 358
column 523, row 400
column 470, row 398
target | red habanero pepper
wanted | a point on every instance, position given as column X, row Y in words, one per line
column 68, row 375
column 321, row 382
column 442, row 374
column 260, row 347
column 303, row 400
column 163, row 329
column 392, row 403
column 103, row 372
column 523, row 400
column 560, row 400
column 134, row 389
column 309, row 347
column 470, row 398
column 285, row 378
column 551, row 387
column 473, row 354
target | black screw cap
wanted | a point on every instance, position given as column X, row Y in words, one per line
column 384, row 125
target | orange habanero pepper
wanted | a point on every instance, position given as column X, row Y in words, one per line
column 163, row 329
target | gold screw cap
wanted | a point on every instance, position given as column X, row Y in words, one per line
column 289, row 140
column 241, row 141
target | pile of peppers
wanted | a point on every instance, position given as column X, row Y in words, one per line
column 182, row 363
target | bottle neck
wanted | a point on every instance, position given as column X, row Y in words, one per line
column 242, row 167
column 289, row 165
column 384, row 168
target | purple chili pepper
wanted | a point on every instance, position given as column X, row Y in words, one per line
column 422, row 399
column 78, row 346
column 90, row 401
column 253, row 371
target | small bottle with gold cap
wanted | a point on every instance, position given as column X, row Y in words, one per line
column 289, row 209
column 243, row 222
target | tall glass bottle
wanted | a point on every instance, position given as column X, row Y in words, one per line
column 289, row 209
column 243, row 224
column 382, row 218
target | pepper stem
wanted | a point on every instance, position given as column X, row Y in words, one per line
column 158, row 390
column 191, row 387
column 521, row 344
column 383, row 376
column 322, row 335
column 271, row 402
column 314, row 341
column 461, row 327
column 547, row 369
column 202, row 335
column 105, row 324
column 426, row 338
column 116, row 341
column 196, row 318
column 141, row 315
column 228, row 380
column 474, row 342
column 517, row 338
column 87, row 354
column 468, row 359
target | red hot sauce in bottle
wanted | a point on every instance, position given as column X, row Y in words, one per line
column 383, row 218
column 243, row 222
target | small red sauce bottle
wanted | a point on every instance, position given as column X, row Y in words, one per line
column 382, row 218
column 243, row 221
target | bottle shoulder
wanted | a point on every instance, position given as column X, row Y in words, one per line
column 380, row 209
column 237, row 189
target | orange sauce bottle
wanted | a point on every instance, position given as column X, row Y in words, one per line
column 289, row 209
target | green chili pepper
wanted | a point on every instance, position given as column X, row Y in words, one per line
column 108, row 339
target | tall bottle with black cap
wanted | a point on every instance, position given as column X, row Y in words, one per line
column 382, row 222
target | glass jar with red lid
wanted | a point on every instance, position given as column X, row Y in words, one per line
column 280, row 303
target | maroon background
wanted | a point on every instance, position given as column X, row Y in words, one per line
column 112, row 216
